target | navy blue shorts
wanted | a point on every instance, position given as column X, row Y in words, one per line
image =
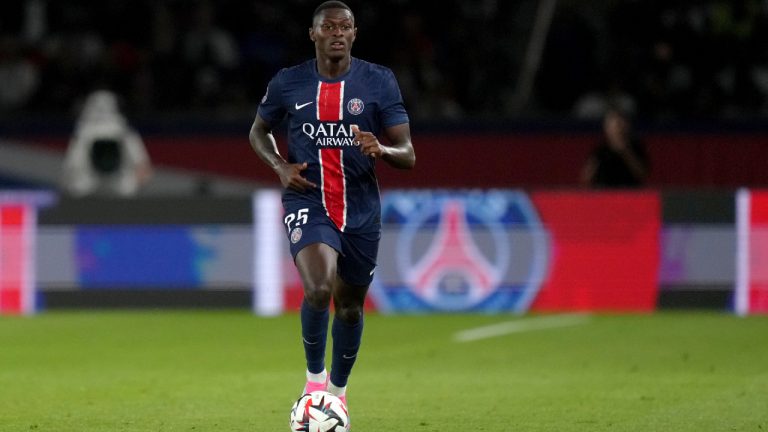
column 357, row 252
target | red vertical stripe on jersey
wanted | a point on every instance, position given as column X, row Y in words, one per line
column 329, row 101
column 332, row 178
column 330, row 97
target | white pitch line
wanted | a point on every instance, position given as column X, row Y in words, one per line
column 519, row 326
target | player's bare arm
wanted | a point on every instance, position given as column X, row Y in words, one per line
column 264, row 144
column 399, row 153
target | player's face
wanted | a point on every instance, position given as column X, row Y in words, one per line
column 333, row 33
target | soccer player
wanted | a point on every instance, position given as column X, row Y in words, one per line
column 336, row 107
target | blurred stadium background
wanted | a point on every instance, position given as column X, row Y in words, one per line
column 506, row 100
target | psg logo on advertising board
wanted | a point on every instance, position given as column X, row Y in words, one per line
column 460, row 251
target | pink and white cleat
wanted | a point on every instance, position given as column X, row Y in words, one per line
column 343, row 399
column 312, row 386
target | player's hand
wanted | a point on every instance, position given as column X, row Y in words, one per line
column 291, row 178
column 369, row 144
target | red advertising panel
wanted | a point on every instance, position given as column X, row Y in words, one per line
column 605, row 250
column 13, row 258
column 18, row 233
column 758, row 252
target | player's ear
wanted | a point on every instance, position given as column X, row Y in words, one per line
column 312, row 34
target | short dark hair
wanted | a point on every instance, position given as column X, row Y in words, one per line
column 332, row 4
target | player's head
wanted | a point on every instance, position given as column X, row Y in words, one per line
column 332, row 4
column 333, row 29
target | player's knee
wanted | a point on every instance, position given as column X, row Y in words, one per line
column 318, row 295
column 350, row 314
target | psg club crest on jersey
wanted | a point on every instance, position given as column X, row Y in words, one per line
column 295, row 235
column 460, row 251
column 355, row 106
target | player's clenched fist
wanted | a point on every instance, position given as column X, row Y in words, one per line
column 369, row 144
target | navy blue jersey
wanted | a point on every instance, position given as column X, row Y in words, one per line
column 320, row 113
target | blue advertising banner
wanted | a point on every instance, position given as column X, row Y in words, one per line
column 157, row 256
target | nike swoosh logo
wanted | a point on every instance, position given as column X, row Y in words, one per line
column 348, row 357
column 298, row 107
column 310, row 343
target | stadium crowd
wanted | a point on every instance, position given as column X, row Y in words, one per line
column 454, row 59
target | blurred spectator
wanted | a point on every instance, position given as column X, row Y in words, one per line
column 105, row 155
column 19, row 77
column 458, row 60
column 429, row 94
column 619, row 160
column 212, row 53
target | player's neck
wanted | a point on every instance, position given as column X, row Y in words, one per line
column 332, row 68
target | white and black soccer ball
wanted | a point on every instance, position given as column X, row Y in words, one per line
column 319, row 411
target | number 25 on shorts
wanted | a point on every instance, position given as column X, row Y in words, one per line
column 299, row 217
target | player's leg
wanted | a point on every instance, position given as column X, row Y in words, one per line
column 316, row 264
column 347, row 332
column 355, row 273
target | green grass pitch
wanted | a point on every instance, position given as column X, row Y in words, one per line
column 231, row 371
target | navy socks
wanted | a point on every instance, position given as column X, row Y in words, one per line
column 346, row 343
column 314, row 331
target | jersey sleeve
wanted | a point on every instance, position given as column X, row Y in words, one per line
column 392, row 107
column 271, row 108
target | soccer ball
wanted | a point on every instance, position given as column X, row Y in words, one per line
column 319, row 411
